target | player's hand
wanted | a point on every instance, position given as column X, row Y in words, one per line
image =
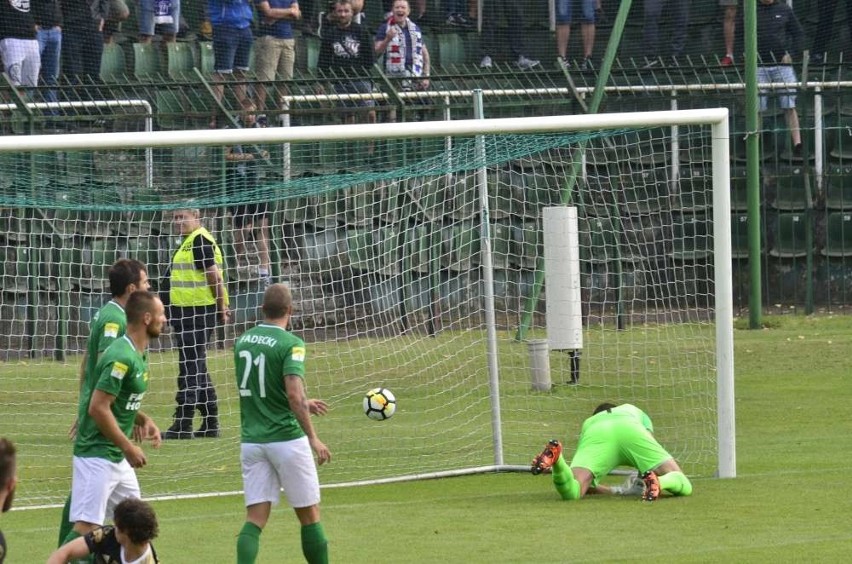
column 137, row 434
column 151, row 432
column 322, row 452
column 135, row 456
column 225, row 316
column 295, row 12
column 72, row 430
column 317, row 407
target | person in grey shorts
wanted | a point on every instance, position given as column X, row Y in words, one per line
column 163, row 13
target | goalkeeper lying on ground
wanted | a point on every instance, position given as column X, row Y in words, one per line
column 614, row 436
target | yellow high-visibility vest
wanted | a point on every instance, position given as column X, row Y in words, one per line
column 188, row 284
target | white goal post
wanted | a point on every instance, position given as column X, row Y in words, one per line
column 421, row 331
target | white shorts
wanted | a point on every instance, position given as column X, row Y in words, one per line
column 22, row 60
column 97, row 486
column 268, row 468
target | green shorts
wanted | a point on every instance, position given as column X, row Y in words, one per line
column 614, row 440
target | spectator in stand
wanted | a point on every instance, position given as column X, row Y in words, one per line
column 419, row 9
column 162, row 13
column 456, row 12
column 779, row 35
column 729, row 26
column 587, row 29
column 117, row 12
column 232, row 41
column 18, row 43
column 400, row 40
column 82, row 39
column 347, row 51
column 512, row 12
column 825, row 27
column 678, row 11
column 48, row 19
column 275, row 51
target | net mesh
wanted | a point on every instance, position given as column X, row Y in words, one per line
column 384, row 256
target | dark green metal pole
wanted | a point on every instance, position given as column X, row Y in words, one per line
column 755, row 301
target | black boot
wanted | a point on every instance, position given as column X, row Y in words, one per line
column 182, row 426
column 209, row 410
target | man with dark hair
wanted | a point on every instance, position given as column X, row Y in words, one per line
column 104, row 455
column 277, row 435
column 128, row 541
column 615, row 435
column 347, row 52
column 8, row 481
column 197, row 296
column 108, row 324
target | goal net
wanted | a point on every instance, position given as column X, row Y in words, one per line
column 415, row 256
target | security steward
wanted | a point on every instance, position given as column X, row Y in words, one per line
column 197, row 298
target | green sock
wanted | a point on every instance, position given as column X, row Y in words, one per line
column 564, row 481
column 676, row 483
column 314, row 544
column 65, row 524
column 248, row 543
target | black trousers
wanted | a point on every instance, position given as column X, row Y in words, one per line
column 193, row 327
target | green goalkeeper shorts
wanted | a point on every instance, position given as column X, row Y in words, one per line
column 614, row 440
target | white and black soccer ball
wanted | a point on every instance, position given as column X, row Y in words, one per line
column 379, row 404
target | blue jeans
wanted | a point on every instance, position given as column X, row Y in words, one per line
column 50, row 48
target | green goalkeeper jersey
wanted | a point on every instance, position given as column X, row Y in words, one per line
column 263, row 356
column 108, row 324
column 122, row 372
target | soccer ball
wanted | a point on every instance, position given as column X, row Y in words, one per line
column 379, row 404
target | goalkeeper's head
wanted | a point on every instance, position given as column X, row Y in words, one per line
column 8, row 474
column 606, row 406
column 135, row 521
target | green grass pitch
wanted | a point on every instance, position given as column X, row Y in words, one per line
column 789, row 503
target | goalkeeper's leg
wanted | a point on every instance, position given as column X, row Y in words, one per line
column 571, row 483
column 672, row 479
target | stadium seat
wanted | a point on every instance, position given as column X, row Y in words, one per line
column 361, row 249
column 694, row 189
column 96, row 256
column 789, row 235
column 501, row 243
column 691, row 240
column 526, row 243
column 792, row 188
column 838, row 187
column 739, row 189
column 181, row 59
column 325, row 209
column 146, row 61
column 113, row 64
column 310, row 46
column 423, row 245
column 430, row 196
column 461, row 245
column 13, row 271
column 739, row 236
column 451, row 50
column 598, row 240
column 645, row 190
column 206, row 58
column 838, row 234
column 362, row 204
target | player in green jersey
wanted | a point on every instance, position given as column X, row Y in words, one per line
column 277, row 434
column 108, row 324
column 8, row 482
column 613, row 436
column 104, row 455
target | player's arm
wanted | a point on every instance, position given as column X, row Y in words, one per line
column 270, row 13
column 100, row 410
column 295, row 388
column 77, row 548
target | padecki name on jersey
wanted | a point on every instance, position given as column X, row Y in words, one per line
column 265, row 340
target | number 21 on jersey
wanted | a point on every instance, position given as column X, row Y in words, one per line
column 260, row 362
